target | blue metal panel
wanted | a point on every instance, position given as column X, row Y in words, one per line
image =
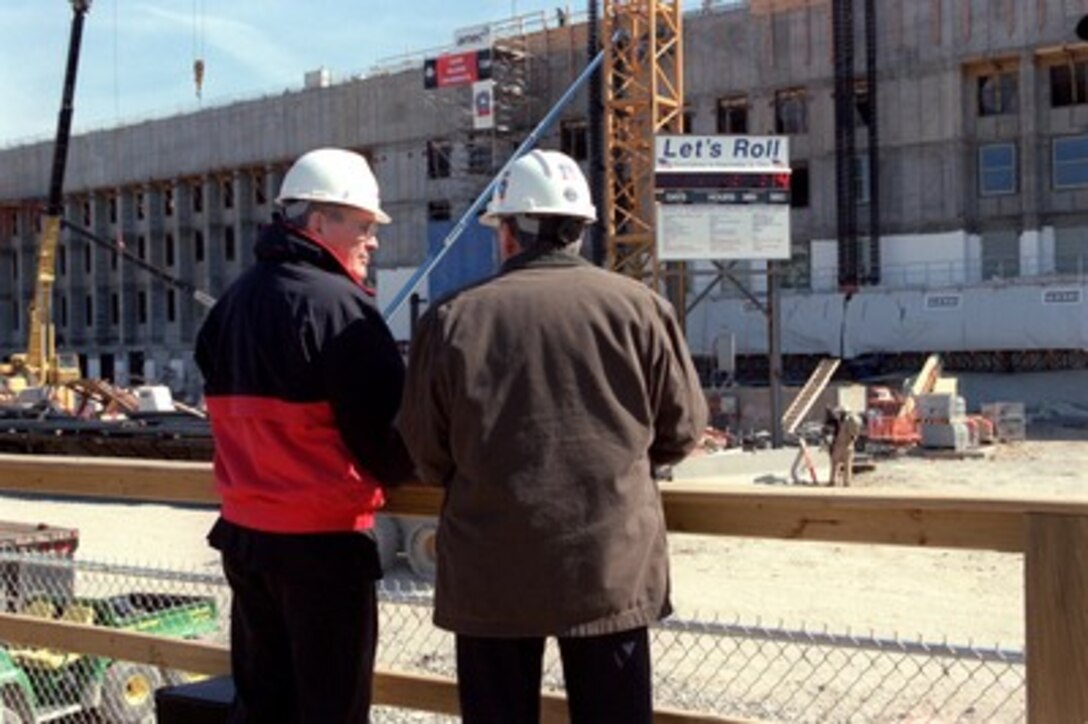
column 473, row 258
column 468, row 219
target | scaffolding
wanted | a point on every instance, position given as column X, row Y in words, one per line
column 513, row 66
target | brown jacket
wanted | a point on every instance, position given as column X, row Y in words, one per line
column 541, row 399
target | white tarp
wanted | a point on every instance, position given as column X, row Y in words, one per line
column 1000, row 317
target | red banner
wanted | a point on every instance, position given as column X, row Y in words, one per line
column 456, row 69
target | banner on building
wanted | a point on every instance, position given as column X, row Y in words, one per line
column 483, row 105
column 454, row 69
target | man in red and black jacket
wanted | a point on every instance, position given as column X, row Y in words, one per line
column 302, row 382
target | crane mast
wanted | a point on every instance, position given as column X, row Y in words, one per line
column 643, row 96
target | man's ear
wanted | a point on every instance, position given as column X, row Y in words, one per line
column 508, row 242
column 316, row 221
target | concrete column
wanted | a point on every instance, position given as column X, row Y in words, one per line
column 1030, row 253
column 1029, row 169
column 973, row 258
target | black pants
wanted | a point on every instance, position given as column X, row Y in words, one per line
column 303, row 630
column 608, row 678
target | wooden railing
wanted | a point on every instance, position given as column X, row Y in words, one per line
column 1052, row 533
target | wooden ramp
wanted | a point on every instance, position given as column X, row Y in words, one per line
column 808, row 395
column 112, row 399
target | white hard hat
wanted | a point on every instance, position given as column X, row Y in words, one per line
column 541, row 182
column 333, row 176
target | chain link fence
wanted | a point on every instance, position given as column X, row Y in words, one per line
column 727, row 668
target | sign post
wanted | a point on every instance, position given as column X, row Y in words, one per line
column 728, row 197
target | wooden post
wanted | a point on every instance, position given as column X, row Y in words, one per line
column 1056, row 606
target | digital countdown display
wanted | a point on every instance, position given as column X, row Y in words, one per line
column 724, row 180
column 723, row 188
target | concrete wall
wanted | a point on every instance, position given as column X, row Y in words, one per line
column 929, row 58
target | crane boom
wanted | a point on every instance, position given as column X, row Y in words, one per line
column 200, row 296
column 40, row 361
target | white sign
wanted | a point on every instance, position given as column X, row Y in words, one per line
column 688, row 233
column 721, row 152
column 722, row 197
column 943, row 302
column 476, row 36
column 483, row 105
column 1061, row 296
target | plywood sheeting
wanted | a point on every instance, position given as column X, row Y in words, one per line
column 767, row 7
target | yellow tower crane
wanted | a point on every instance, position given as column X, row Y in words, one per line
column 643, row 96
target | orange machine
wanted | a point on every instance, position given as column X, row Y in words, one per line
column 891, row 418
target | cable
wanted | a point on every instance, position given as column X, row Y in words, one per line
column 198, row 48
column 116, row 81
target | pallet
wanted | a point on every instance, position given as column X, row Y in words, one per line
column 942, row 454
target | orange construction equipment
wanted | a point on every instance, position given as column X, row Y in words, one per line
column 891, row 419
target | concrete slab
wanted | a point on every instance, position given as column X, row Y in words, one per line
column 738, row 466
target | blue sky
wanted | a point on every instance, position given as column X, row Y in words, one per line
column 137, row 55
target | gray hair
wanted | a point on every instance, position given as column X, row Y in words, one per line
column 297, row 213
column 548, row 232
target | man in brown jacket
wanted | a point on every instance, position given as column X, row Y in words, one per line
column 542, row 399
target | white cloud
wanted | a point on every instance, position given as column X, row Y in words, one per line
column 137, row 55
column 263, row 57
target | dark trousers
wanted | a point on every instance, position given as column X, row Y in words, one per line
column 301, row 650
column 608, row 678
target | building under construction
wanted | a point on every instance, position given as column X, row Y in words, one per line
column 939, row 192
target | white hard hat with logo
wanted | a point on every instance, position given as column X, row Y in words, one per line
column 545, row 183
column 333, row 176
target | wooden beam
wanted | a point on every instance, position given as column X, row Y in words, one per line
column 415, row 499
column 180, row 654
column 703, row 506
column 438, row 694
column 425, row 692
column 769, row 7
column 429, row 693
column 985, row 65
column 422, row 692
column 905, row 525
column 166, row 481
column 1056, row 607
column 855, row 516
column 1061, row 53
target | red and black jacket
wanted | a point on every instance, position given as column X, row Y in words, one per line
column 302, row 382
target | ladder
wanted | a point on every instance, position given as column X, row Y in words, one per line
column 816, row 383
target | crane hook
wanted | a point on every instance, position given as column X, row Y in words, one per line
column 198, row 75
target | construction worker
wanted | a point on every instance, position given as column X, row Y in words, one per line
column 541, row 399
column 843, row 428
column 302, row 381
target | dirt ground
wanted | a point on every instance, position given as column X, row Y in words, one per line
column 958, row 596
column 933, row 594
